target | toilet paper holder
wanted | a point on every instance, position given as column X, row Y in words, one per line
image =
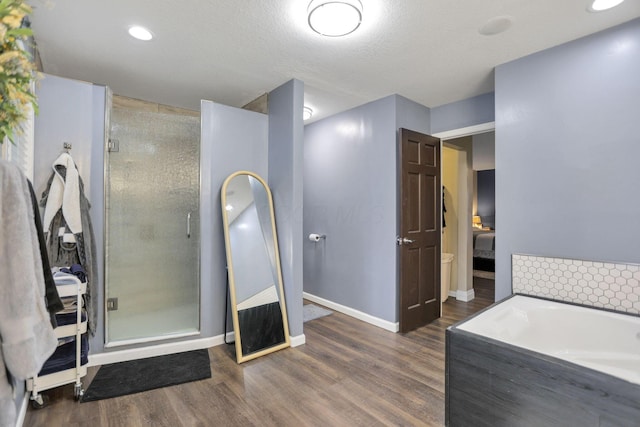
column 316, row 237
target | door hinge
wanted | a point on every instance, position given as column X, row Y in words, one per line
column 113, row 146
column 112, row 304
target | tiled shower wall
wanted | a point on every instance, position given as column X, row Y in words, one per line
column 599, row 284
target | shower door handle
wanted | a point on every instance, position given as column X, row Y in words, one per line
column 189, row 225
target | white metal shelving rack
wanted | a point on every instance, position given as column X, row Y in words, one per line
column 38, row 384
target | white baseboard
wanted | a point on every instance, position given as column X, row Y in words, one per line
column 376, row 321
column 453, row 293
column 298, row 340
column 465, row 296
column 22, row 410
column 169, row 348
column 157, row 350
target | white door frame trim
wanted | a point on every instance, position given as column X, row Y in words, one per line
column 466, row 131
column 459, row 133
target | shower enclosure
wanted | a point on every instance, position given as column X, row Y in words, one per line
column 152, row 265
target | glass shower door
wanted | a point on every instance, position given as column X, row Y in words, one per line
column 152, row 214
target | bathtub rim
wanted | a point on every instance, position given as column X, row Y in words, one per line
column 533, row 353
column 575, row 304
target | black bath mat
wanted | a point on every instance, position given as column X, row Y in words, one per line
column 120, row 379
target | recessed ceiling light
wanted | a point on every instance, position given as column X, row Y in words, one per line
column 600, row 5
column 307, row 113
column 140, row 33
column 229, row 207
column 334, row 18
column 496, row 25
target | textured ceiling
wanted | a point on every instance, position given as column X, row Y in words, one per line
column 232, row 51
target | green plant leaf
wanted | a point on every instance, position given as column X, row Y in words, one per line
column 20, row 32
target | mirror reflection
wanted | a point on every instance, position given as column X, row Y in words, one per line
column 255, row 279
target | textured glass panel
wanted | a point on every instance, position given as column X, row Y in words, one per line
column 152, row 265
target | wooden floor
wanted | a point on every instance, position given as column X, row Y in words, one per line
column 349, row 373
column 484, row 288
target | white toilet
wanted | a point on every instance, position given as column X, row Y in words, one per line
column 445, row 276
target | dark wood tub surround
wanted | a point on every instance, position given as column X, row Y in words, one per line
column 491, row 383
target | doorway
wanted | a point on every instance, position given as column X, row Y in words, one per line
column 460, row 240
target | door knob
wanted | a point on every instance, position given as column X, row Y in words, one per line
column 404, row 241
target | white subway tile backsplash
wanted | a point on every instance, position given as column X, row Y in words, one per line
column 614, row 286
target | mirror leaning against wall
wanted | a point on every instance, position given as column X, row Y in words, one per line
column 253, row 262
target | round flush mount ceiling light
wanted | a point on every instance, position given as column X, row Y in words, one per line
column 307, row 113
column 600, row 5
column 140, row 33
column 333, row 18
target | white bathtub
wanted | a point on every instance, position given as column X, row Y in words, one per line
column 600, row 340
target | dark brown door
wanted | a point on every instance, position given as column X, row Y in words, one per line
column 419, row 240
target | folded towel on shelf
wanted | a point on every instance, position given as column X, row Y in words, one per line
column 76, row 270
column 65, row 340
column 65, row 357
column 70, row 305
column 64, row 319
column 62, row 278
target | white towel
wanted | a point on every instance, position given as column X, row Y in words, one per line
column 62, row 278
column 64, row 193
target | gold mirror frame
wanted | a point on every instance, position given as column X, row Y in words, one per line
column 240, row 356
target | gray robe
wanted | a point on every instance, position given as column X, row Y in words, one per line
column 82, row 252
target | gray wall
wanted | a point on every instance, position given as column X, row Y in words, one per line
column 232, row 140
column 486, row 194
column 73, row 111
column 460, row 114
column 286, row 140
column 484, row 151
column 567, row 150
column 413, row 116
column 350, row 195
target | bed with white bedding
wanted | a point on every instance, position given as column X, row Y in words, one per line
column 484, row 250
